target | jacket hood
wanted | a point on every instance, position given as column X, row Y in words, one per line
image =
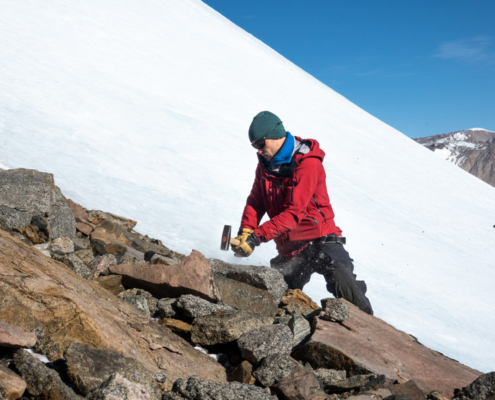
column 314, row 150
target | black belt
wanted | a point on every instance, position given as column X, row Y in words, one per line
column 332, row 238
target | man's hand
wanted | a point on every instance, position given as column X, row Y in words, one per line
column 248, row 241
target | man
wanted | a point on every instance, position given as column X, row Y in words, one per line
column 290, row 186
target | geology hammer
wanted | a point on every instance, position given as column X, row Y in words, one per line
column 226, row 239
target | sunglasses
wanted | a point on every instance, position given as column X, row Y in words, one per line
column 260, row 143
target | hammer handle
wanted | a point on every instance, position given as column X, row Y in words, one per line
column 235, row 242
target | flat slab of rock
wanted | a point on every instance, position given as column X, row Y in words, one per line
column 41, row 293
column 261, row 277
column 192, row 276
column 245, row 297
column 346, row 346
column 265, row 341
column 15, row 337
column 225, row 327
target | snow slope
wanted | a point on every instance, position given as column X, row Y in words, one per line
column 142, row 109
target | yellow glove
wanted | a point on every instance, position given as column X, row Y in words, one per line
column 243, row 249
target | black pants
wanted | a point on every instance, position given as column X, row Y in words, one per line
column 333, row 262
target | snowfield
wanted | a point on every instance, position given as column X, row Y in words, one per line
column 142, row 109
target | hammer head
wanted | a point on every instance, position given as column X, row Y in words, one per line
column 227, row 229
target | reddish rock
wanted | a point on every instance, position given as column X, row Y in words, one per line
column 192, row 276
column 367, row 344
column 38, row 292
column 79, row 213
column 300, row 384
column 84, row 228
column 13, row 384
column 243, row 373
column 110, row 233
column 15, row 337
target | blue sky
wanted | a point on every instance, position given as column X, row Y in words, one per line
column 423, row 67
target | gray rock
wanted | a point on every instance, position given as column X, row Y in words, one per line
column 274, row 368
column 201, row 389
column 329, row 376
column 194, row 307
column 128, row 259
column 265, row 341
column 166, row 308
column 283, row 319
column 75, row 264
column 226, row 326
column 300, row 384
column 243, row 296
column 26, row 193
column 42, row 382
column 116, row 387
column 81, row 243
column 300, row 329
column 140, row 303
column 61, row 246
column 481, row 388
column 88, row 368
column 261, row 277
column 86, row 256
column 335, row 309
column 172, row 396
column 299, row 309
column 43, row 249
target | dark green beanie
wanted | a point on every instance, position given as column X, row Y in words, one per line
column 263, row 123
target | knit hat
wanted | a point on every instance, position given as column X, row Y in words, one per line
column 266, row 122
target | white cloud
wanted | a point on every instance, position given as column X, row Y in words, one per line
column 475, row 49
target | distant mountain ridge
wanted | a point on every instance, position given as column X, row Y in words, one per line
column 471, row 149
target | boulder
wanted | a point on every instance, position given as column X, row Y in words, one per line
column 330, row 376
column 409, row 389
column 88, row 368
column 300, row 384
column 75, row 264
column 243, row 373
column 200, row 389
column 85, row 227
column 80, row 213
column 265, row 278
column 225, row 327
column 139, row 302
column 335, row 309
column 481, row 388
column 32, row 233
column 112, row 283
column 14, row 337
column 299, row 309
column 245, row 297
column 348, row 384
column 274, row 368
column 41, row 293
column 146, row 244
column 265, row 341
column 109, row 233
column 298, row 296
column 116, row 387
column 346, row 346
column 42, row 382
column 43, row 249
column 165, row 260
column 86, row 256
column 81, row 243
column 12, row 383
column 124, row 223
column 300, row 328
column 192, row 276
column 26, row 193
column 195, row 307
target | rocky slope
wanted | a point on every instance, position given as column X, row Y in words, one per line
column 90, row 308
column 472, row 149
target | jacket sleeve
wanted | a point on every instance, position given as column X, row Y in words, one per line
column 255, row 208
column 298, row 197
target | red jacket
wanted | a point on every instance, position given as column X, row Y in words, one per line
column 298, row 205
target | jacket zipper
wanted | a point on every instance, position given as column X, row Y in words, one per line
column 292, row 193
column 314, row 219
column 318, row 208
column 276, row 196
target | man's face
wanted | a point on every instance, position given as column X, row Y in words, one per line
column 272, row 146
